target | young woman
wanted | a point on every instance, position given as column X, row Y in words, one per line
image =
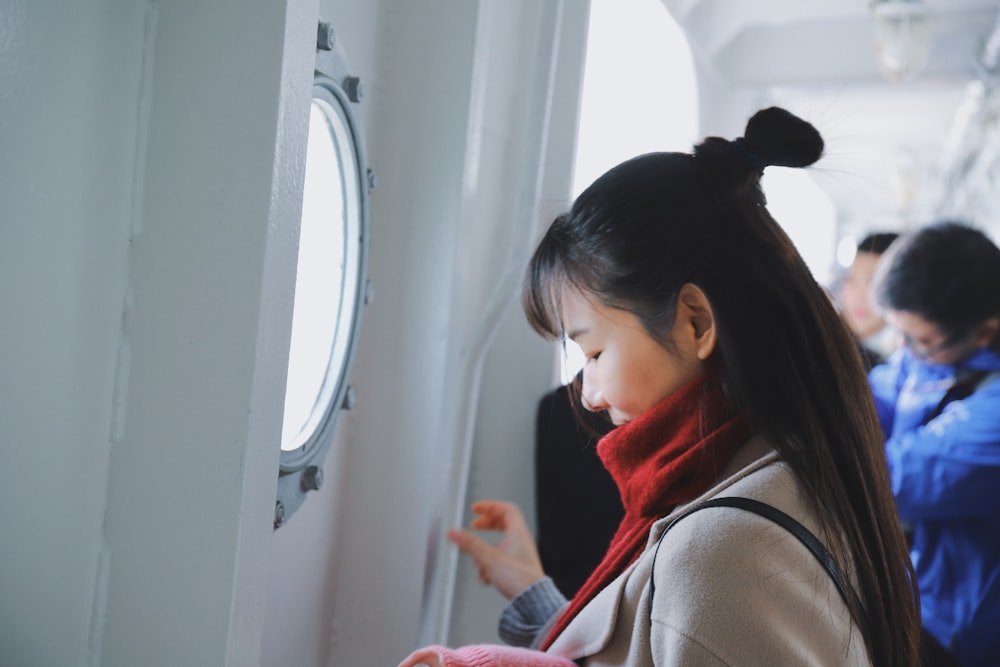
column 729, row 374
column 939, row 403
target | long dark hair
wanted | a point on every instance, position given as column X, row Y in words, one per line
column 658, row 221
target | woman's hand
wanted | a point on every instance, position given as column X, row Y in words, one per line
column 513, row 564
column 425, row 656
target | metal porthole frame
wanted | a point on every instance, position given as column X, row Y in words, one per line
column 301, row 469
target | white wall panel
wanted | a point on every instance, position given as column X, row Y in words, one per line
column 69, row 81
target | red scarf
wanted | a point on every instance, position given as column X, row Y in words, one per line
column 669, row 455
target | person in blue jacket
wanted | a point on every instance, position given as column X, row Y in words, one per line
column 938, row 400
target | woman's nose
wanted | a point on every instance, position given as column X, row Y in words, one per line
column 590, row 392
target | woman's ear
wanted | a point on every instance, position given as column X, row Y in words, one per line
column 695, row 311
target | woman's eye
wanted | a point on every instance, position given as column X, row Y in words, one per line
column 593, row 357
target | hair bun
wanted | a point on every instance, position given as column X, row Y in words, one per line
column 778, row 137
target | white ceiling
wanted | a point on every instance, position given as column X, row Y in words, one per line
column 887, row 158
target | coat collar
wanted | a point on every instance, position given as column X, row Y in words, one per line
column 592, row 629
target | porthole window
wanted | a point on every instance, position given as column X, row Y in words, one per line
column 330, row 284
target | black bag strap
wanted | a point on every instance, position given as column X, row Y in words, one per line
column 810, row 541
column 964, row 386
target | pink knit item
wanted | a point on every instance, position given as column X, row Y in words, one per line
column 489, row 655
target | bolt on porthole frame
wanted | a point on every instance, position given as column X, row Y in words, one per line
column 331, row 278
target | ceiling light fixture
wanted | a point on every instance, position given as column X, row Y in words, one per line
column 902, row 37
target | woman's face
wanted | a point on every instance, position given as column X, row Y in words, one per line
column 627, row 370
column 856, row 297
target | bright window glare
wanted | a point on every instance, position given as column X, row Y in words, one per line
column 327, row 276
column 572, row 361
column 639, row 96
column 846, row 250
column 320, row 273
column 807, row 215
column 639, row 90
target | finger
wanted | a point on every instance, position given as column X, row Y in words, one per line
column 497, row 515
column 489, row 522
column 424, row 656
column 483, row 552
column 510, row 523
column 484, row 504
column 492, row 507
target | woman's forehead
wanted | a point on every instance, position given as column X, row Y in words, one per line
column 574, row 308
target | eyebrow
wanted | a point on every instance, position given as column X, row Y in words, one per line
column 572, row 335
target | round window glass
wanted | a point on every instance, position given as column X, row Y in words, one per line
column 327, row 276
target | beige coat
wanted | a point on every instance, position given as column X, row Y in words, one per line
column 732, row 588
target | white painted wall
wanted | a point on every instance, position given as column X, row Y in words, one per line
column 365, row 606
column 147, row 263
column 69, row 80
column 458, row 103
column 211, row 271
column 519, row 367
column 151, row 176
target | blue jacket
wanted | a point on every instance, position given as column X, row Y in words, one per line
column 945, row 477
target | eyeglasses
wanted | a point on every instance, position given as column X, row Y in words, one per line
column 928, row 351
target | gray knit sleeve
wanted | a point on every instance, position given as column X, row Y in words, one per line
column 525, row 616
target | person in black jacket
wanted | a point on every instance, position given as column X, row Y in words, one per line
column 578, row 504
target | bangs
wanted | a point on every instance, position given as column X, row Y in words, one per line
column 541, row 295
column 550, row 272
